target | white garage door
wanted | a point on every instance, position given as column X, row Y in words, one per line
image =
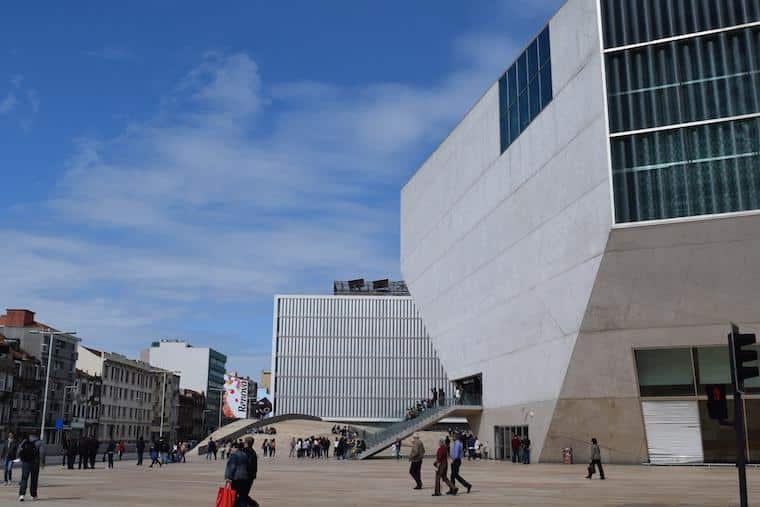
column 673, row 432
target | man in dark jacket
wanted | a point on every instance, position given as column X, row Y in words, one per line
column 140, row 450
column 32, row 452
column 71, row 453
column 253, row 467
column 236, row 474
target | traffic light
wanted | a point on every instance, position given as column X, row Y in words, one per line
column 717, row 406
column 743, row 358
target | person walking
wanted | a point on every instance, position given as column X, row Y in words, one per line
column 140, row 446
column 253, row 460
column 110, row 450
column 120, row 448
column 71, row 453
column 596, row 460
column 415, row 457
column 154, row 455
column 272, row 448
column 163, row 450
column 9, row 455
column 32, row 453
column 236, row 474
column 457, row 453
column 292, row 452
column 84, row 443
column 441, row 467
column 92, row 451
column 210, row 449
column 515, row 448
column 397, row 449
column 526, row 450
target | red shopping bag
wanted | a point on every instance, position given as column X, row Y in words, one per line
column 225, row 497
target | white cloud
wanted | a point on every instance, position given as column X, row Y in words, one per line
column 22, row 101
column 233, row 191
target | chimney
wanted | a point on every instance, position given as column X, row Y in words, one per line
column 17, row 318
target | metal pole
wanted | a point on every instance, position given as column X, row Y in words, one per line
column 741, row 459
column 163, row 405
column 47, row 387
column 220, row 408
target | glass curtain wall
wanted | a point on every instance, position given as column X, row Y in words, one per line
column 684, row 113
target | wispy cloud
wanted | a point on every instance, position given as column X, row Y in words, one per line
column 235, row 189
column 22, row 101
column 112, row 53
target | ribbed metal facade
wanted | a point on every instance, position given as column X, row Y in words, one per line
column 351, row 357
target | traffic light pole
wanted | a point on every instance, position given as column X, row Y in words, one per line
column 741, row 459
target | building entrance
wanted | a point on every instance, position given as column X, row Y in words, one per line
column 503, row 440
column 470, row 389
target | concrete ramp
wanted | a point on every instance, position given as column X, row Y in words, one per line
column 241, row 427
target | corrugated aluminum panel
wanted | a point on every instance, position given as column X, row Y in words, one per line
column 673, row 432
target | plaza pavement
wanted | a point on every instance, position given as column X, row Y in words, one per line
column 384, row 482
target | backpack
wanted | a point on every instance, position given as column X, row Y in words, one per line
column 28, row 453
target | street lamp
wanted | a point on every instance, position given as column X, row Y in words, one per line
column 163, row 398
column 52, row 335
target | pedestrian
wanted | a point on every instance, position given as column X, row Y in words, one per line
column 32, row 453
column 252, row 471
column 415, row 457
column 596, row 460
column 140, row 446
column 110, row 450
column 515, row 448
column 441, row 467
column 458, row 395
column 183, row 451
column 292, row 452
column 121, row 448
column 457, row 452
column 397, row 449
column 154, row 455
column 71, row 453
column 273, row 448
column 210, row 449
column 441, row 397
column 526, row 450
column 9, row 455
column 471, row 448
column 236, row 474
column 163, row 449
column 92, row 451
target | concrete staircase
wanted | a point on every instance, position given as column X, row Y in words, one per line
column 383, row 439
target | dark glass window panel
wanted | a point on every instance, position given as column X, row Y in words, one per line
column 535, row 97
column 546, row 85
column 665, row 372
column 688, row 171
column 524, row 110
column 532, row 52
column 718, row 441
column 712, row 365
column 512, row 82
column 522, row 72
column 504, row 132
column 699, row 79
column 633, row 21
column 752, row 411
column 544, row 48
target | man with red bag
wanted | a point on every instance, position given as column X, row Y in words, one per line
column 236, row 479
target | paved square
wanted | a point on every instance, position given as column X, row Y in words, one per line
column 287, row 482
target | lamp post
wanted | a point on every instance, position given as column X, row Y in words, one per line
column 52, row 335
column 163, row 398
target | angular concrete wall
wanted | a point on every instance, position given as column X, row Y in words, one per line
column 501, row 251
column 658, row 285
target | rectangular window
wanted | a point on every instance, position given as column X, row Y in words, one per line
column 665, row 372
column 525, row 89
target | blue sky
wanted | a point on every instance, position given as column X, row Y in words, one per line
column 166, row 167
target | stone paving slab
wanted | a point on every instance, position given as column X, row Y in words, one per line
column 290, row 482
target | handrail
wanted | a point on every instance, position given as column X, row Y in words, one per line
column 392, row 431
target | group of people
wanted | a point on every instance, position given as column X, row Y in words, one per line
column 269, row 448
column 454, row 450
column 520, row 449
column 32, row 453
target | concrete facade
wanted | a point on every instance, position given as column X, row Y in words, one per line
column 517, row 255
column 351, row 358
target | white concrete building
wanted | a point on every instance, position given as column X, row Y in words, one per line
column 351, row 357
column 591, row 226
column 201, row 369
